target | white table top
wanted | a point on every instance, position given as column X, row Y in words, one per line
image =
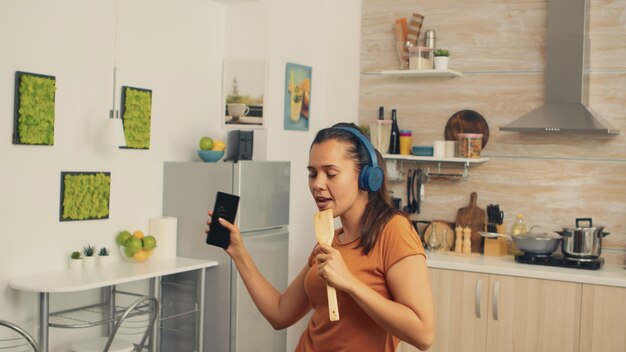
column 608, row 275
column 113, row 274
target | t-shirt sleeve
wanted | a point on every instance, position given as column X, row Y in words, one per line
column 399, row 240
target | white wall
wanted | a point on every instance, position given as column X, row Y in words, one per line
column 176, row 49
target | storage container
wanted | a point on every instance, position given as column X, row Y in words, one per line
column 380, row 131
column 420, row 58
column 470, row 145
column 405, row 142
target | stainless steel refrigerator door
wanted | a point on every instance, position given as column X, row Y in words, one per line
column 264, row 190
column 269, row 250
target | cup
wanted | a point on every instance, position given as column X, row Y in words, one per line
column 237, row 110
column 439, row 149
column 450, row 149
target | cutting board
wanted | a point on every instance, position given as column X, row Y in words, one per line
column 475, row 218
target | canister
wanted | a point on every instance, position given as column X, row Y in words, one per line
column 420, row 58
column 380, row 130
column 470, row 145
column 406, row 142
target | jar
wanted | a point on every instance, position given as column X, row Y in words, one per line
column 406, row 142
column 380, row 130
column 420, row 58
column 470, row 145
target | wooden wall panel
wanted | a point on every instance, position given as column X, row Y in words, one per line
column 499, row 46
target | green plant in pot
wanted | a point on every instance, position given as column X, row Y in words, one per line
column 104, row 257
column 442, row 57
column 89, row 259
column 76, row 261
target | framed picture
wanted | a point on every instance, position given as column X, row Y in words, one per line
column 244, row 85
column 33, row 121
column 136, row 117
column 84, row 195
column 297, row 97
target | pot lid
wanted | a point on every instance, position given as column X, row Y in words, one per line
column 583, row 221
column 538, row 235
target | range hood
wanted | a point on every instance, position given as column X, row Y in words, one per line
column 566, row 78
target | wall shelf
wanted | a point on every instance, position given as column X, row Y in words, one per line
column 432, row 159
column 415, row 73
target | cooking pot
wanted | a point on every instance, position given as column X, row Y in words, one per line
column 533, row 243
column 582, row 242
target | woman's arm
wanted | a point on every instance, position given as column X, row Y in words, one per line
column 410, row 317
column 280, row 309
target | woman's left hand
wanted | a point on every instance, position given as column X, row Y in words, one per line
column 332, row 268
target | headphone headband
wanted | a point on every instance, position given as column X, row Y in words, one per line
column 371, row 176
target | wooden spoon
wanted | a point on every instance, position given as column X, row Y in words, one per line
column 324, row 233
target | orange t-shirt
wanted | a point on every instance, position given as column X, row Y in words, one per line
column 355, row 330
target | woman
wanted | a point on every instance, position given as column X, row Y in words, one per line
column 376, row 261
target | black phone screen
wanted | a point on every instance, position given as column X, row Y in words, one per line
column 226, row 208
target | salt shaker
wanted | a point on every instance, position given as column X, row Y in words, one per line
column 458, row 243
column 467, row 243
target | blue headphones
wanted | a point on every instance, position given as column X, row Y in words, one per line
column 371, row 176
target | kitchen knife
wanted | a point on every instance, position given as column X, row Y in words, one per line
column 324, row 233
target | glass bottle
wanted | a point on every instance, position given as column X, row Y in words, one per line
column 394, row 138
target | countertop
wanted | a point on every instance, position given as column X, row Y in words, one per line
column 608, row 275
column 113, row 274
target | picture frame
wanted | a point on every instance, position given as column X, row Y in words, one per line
column 298, row 92
column 85, row 195
column 136, row 114
column 244, row 87
column 34, row 109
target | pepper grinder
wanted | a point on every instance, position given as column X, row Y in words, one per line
column 467, row 243
column 458, row 243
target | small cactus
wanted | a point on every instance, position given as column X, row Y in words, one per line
column 89, row 251
column 442, row 52
column 104, row 251
column 76, row 255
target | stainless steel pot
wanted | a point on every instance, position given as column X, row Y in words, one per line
column 582, row 242
column 533, row 243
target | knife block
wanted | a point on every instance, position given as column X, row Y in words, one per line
column 496, row 247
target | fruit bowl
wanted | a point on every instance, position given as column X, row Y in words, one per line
column 139, row 256
column 210, row 155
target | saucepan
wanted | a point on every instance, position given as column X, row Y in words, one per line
column 531, row 242
column 583, row 242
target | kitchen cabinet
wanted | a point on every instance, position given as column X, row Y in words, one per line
column 489, row 312
column 603, row 319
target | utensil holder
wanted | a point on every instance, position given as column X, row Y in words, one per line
column 496, row 247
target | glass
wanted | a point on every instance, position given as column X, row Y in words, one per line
column 434, row 241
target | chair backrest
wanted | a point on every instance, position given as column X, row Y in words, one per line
column 144, row 305
column 14, row 338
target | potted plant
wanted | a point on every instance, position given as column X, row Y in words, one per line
column 76, row 261
column 442, row 56
column 104, row 256
column 89, row 259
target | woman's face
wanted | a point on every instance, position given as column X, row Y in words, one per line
column 333, row 177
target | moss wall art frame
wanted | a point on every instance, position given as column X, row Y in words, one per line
column 136, row 116
column 85, row 195
column 33, row 122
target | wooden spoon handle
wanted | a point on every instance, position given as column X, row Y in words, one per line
column 333, row 309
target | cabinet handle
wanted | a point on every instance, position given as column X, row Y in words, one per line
column 479, row 287
column 496, row 299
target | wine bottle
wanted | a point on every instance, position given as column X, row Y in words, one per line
column 394, row 138
column 381, row 112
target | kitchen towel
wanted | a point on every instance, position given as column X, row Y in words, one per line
column 164, row 229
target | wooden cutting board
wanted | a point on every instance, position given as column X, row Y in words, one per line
column 475, row 218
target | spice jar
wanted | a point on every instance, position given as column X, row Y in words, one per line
column 420, row 58
column 470, row 145
column 405, row 142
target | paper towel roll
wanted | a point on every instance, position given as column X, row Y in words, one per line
column 164, row 229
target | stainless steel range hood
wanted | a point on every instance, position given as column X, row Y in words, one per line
column 566, row 78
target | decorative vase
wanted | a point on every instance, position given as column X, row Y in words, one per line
column 441, row 62
column 104, row 260
column 76, row 264
column 89, row 262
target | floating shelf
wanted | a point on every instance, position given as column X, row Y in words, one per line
column 415, row 73
column 432, row 159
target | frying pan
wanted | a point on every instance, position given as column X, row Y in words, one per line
column 466, row 121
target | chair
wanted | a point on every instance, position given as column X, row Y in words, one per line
column 17, row 339
column 144, row 305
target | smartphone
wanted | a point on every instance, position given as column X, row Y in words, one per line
column 226, row 208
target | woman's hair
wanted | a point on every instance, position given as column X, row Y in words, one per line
column 379, row 209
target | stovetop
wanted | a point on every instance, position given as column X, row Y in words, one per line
column 560, row 261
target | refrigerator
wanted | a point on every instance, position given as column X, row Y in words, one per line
column 231, row 322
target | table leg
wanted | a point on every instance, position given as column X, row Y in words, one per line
column 200, row 325
column 44, row 319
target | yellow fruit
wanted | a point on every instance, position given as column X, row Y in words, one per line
column 138, row 234
column 218, row 145
column 141, row 256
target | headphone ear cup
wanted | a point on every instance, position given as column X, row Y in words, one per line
column 371, row 178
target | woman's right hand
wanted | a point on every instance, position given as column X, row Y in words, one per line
column 236, row 242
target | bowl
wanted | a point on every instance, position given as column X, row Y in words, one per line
column 139, row 256
column 422, row 150
column 210, row 155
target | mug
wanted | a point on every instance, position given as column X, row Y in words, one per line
column 237, row 110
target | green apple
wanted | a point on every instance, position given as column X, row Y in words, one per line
column 122, row 237
column 132, row 245
column 149, row 242
column 206, row 143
